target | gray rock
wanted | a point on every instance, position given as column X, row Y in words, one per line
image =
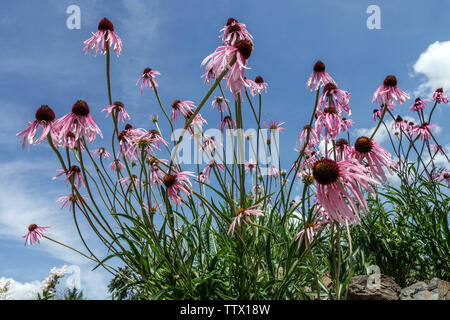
column 359, row 288
column 436, row 289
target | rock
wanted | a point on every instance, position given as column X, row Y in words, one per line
column 362, row 288
column 436, row 289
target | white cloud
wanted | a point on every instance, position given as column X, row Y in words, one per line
column 20, row 291
column 434, row 64
column 24, row 201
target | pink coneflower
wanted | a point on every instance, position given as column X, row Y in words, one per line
column 202, row 178
column 444, row 176
column 337, row 184
column 424, row 130
column 243, row 215
column 154, row 118
column 197, row 122
column 388, row 92
column 130, row 139
column 181, row 108
column 105, row 36
column 228, row 123
column 220, row 59
column 211, row 144
column 257, row 190
column 79, row 122
column 438, row 148
column 439, row 96
column 346, row 124
column 147, row 76
column 102, row 153
column 274, row 125
column 221, row 104
column 308, row 232
column 73, row 176
column 343, row 150
column 250, row 165
column 313, row 137
column 45, row 118
column 376, row 115
column 119, row 108
column 273, row 172
column 34, row 233
column 258, row 86
column 399, row 123
column 176, row 183
column 211, row 165
column 334, row 97
column 155, row 171
column 419, row 104
column 375, row 155
column 116, row 165
column 70, row 200
column 319, row 77
column 128, row 182
column 330, row 119
column 234, row 31
column 144, row 141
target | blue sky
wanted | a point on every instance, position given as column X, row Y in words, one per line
column 42, row 62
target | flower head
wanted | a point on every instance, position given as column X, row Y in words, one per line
column 336, row 183
column 439, row 96
column 419, row 104
column 79, row 123
column 101, row 153
column 258, row 86
column 243, row 215
column 104, row 37
column 181, row 108
column 334, row 97
column 234, row 31
column 119, row 108
column 228, row 123
column 388, row 92
column 376, row 157
column 220, row 60
column 274, row 125
column 70, row 200
column 177, row 183
column 221, row 103
column 148, row 76
column 45, row 119
column 423, row 131
column 34, row 233
column 319, row 77
column 444, row 176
